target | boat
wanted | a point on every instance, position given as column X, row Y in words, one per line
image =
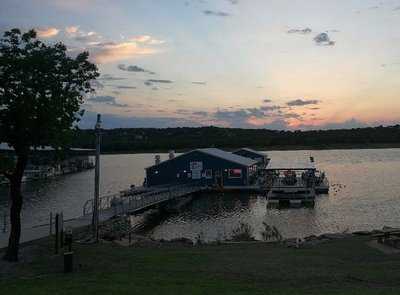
column 294, row 183
column 321, row 182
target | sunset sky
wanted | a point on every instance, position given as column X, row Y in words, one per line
column 279, row 64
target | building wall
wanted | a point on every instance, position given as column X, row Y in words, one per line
column 167, row 172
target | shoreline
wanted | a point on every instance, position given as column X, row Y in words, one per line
column 269, row 148
column 336, row 264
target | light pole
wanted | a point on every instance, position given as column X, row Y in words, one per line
column 95, row 220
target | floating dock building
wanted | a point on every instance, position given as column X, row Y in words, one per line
column 208, row 167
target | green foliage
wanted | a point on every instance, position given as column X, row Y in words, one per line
column 152, row 139
column 41, row 91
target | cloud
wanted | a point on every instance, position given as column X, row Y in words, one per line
column 233, row 2
column 199, row 82
column 125, row 87
column 301, row 102
column 216, row 13
column 47, row 32
column 133, row 68
column 200, row 113
column 146, row 39
column 106, row 99
column 118, row 121
column 105, row 51
column 71, row 29
column 300, row 31
column 96, row 84
column 108, row 77
column 323, row 39
column 270, row 108
column 113, row 51
column 150, row 82
column 90, row 38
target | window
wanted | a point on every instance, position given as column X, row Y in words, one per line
column 235, row 173
column 208, row 174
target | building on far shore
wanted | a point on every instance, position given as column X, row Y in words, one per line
column 45, row 162
column 259, row 157
column 208, row 166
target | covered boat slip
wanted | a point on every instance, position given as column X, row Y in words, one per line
column 296, row 174
column 291, row 181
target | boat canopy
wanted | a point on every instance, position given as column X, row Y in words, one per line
column 305, row 164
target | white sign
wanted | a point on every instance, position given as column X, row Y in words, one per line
column 196, row 166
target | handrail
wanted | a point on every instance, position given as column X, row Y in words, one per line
column 135, row 202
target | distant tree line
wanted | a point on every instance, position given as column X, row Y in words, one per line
column 127, row 140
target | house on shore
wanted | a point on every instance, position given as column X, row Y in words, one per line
column 208, row 166
column 259, row 157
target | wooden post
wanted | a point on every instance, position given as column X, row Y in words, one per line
column 51, row 223
column 61, row 230
column 57, row 224
column 97, row 180
column 68, row 262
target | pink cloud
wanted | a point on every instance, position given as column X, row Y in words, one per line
column 112, row 52
column 47, row 32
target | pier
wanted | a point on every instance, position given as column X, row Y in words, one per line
column 137, row 200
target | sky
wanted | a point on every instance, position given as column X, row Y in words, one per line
column 276, row 64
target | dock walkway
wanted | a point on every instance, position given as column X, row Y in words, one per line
column 129, row 202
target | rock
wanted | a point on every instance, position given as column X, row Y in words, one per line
column 311, row 238
column 362, row 233
column 184, row 241
column 388, row 228
column 334, row 236
column 293, row 242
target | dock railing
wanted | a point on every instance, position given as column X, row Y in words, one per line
column 123, row 203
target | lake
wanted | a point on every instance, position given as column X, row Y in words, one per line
column 364, row 195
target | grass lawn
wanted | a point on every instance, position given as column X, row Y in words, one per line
column 346, row 266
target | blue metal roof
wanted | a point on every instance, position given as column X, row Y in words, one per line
column 251, row 151
column 228, row 156
column 219, row 154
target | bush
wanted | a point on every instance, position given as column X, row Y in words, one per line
column 243, row 233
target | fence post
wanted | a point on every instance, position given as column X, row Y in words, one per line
column 51, row 223
column 61, row 230
column 57, row 224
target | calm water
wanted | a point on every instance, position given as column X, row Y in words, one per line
column 365, row 194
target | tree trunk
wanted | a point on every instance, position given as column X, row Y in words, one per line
column 15, row 209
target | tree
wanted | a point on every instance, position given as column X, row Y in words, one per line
column 41, row 92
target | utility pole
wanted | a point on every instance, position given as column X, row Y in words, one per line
column 95, row 220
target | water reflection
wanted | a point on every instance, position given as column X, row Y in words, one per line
column 365, row 194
